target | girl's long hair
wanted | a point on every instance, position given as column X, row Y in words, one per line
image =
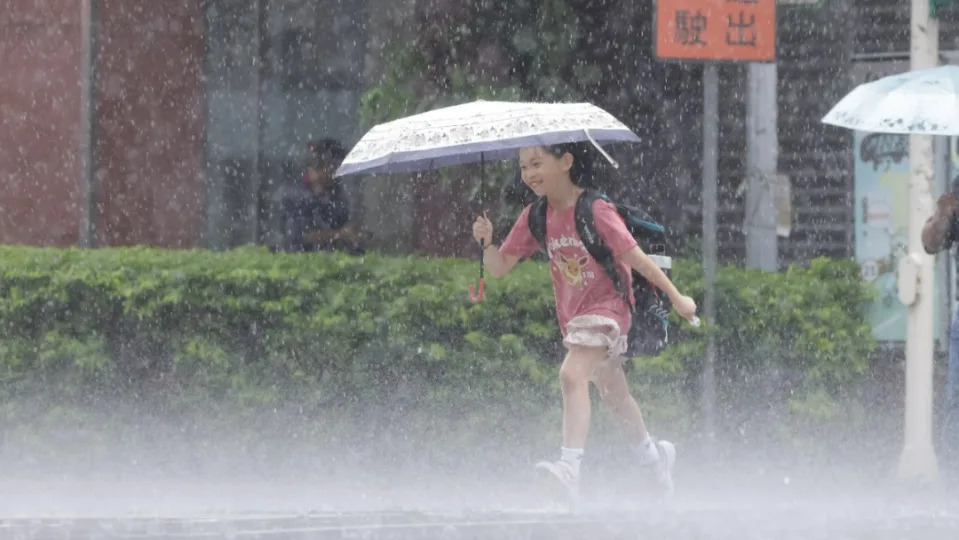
column 584, row 172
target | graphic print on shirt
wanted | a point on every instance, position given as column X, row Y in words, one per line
column 574, row 267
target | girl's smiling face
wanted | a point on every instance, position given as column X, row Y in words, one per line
column 542, row 171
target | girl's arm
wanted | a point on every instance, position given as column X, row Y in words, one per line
column 499, row 264
column 639, row 261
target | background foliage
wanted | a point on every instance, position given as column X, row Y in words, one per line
column 363, row 350
column 560, row 50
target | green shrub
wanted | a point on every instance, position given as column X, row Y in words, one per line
column 229, row 335
column 806, row 320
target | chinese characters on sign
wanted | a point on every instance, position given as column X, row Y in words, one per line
column 743, row 30
column 690, row 27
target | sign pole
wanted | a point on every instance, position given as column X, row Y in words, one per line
column 711, row 31
column 710, row 224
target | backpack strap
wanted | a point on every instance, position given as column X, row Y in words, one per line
column 537, row 221
column 593, row 242
column 650, row 235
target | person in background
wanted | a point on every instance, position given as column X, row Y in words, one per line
column 317, row 215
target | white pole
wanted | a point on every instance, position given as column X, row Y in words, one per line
column 917, row 275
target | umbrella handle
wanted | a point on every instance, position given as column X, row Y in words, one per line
column 482, row 282
column 482, row 290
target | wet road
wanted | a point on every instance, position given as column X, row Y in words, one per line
column 703, row 523
column 165, row 510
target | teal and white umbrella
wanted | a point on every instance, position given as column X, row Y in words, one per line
column 921, row 102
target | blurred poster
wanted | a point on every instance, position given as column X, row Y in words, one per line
column 881, row 198
column 882, row 226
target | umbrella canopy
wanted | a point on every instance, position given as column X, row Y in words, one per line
column 922, row 102
column 481, row 130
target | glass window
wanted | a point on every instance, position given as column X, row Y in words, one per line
column 309, row 58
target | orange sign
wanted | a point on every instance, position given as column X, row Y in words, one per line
column 743, row 30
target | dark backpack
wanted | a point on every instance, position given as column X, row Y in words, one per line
column 649, row 332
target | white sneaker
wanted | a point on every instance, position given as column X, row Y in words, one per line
column 664, row 467
column 563, row 472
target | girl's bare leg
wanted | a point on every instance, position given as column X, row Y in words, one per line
column 577, row 370
column 614, row 390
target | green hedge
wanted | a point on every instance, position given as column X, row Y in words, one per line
column 233, row 334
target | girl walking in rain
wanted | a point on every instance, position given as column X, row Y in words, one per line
column 594, row 317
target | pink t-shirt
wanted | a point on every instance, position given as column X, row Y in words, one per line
column 579, row 282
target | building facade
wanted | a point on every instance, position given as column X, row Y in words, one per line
column 200, row 111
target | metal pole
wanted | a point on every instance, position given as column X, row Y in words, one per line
column 917, row 273
column 710, row 224
column 762, row 156
column 88, row 161
column 257, row 179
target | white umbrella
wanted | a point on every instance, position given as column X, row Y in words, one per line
column 922, row 102
column 478, row 131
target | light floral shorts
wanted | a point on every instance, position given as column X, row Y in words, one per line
column 596, row 331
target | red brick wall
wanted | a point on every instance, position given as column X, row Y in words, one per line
column 40, row 122
column 150, row 122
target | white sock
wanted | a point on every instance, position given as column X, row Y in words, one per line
column 647, row 452
column 573, row 456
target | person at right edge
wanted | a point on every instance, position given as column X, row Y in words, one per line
column 939, row 233
column 594, row 318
